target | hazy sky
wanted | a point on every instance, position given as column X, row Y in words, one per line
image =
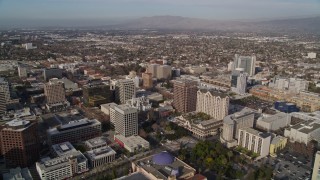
column 108, row 9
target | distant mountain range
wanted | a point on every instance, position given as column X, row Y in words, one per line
column 306, row 25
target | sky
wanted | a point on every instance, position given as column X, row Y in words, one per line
column 45, row 10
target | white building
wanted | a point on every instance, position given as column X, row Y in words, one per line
column 62, row 167
column 255, row 141
column 239, row 81
column 100, row 156
column 126, row 120
column 248, row 63
column 213, row 103
column 132, row 143
column 17, row 174
column 230, row 66
column 292, row 85
column 62, row 149
column 108, row 109
column 140, row 103
column 273, row 122
column 303, row 132
column 312, row 55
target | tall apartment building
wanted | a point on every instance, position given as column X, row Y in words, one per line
column 125, row 90
column 238, row 81
column 93, row 92
column 316, row 167
column 254, row 141
column 248, row 63
column 164, row 72
column 75, row 131
column 20, row 143
column 147, row 80
column 3, row 104
column 232, row 123
column 213, row 103
column 52, row 73
column 126, row 120
column 185, row 95
column 160, row 71
column 4, row 88
column 54, row 92
column 22, row 71
column 153, row 69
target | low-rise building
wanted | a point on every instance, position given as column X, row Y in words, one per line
column 17, row 174
column 200, row 128
column 277, row 143
column 131, row 143
column 273, row 122
column 96, row 143
column 75, row 131
column 139, row 103
column 62, row 167
column 100, row 156
column 163, row 166
column 316, row 167
column 62, row 149
column 255, row 141
column 303, row 132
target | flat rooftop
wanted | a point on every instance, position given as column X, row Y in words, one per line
column 100, row 153
column 276, row 117
column 63, row 148
column 256, row 132
column 96, row 142
column 131, row 141
column 134, row 176
column 307, row 126
column 164, row 171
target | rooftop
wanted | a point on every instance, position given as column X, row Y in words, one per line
column 213, row 92
column 277, row 139
column 63, row 148
column 255, row 132
column 163, row 164
column 134, row 176
column 73, row 125
column 131, row 141
column 100, row 153
column 96, row 142
column 275, row 117
column 307, row 126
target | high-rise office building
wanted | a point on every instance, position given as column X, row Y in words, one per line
column 213, row 103
column 126, row 120
column 3, row 106
column 4, row 88
column 248, row 63
column 147, row 80
column 54, row 92
column 97, row 94
column 22, row 71
column 125, row 90
column 52, row 73
column 238, row 81
column 185, row 95
column 20, row 143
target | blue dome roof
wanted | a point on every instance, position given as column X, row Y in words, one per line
column 163, row 158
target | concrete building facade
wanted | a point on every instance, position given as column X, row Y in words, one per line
column 126, row 120
column 125, row 90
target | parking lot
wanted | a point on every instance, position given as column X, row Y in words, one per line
column 288, row 166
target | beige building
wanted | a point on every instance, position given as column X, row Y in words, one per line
column 316, row 167
column 213, row 103
column 125, row 90
column 147, row 80
column 164, row 72
column 199, row 128
column 185, row 95
column 54, row 92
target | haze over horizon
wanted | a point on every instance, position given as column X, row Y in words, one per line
column 99, row 12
